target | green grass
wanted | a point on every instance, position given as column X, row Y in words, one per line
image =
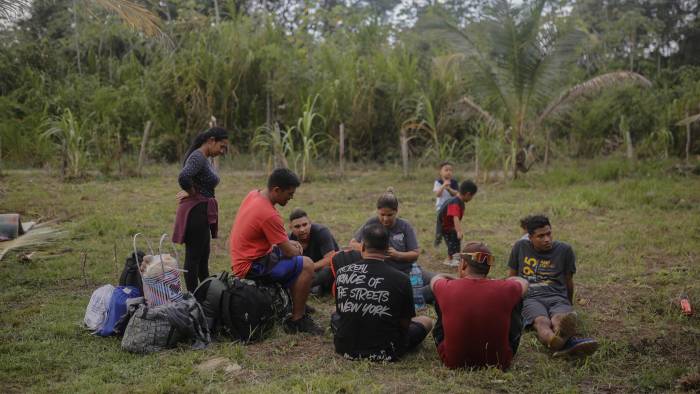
column 635, row 229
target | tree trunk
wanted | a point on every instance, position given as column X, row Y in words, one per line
column 476, row 157
column 404, row 151
column 687, row 139
column 546, row 149
column 76, row 35
column 628, row 142
column 142, row 151
column 514, row 158
column 216, row 12
column 280, row 159
column 64, row 160
column 341, row 155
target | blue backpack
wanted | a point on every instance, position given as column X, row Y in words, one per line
column 117, row 308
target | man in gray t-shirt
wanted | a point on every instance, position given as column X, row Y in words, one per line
column 549, row 267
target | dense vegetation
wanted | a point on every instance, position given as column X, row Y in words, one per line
column 502, row 84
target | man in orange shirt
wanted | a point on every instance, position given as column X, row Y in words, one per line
column 260, row 249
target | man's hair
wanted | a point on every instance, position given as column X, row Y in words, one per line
column 375, row 237
column 468, row 186
column 297, row 213
column 444, row 163
column 536, row 221
column 284, row 178
column 388, row 200
column 476, row 267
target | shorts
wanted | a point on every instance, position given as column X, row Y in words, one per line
column 273, row 268
column 414, row 336
column 546, row 306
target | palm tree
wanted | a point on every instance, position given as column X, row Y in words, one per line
column 10, row 8
column 521, row 63
column 131, row 13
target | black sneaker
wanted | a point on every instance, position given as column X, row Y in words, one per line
column 305, row 324
column 316, row 290
column 577, row 347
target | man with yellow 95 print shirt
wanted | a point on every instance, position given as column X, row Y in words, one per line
column 549, row 267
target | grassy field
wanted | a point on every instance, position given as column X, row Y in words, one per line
column 635, row 230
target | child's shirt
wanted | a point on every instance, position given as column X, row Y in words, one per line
column 454, row 207
column 445, row 194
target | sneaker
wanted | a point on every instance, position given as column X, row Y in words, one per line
column 316, row 290
column 305, row 324
column 577, row 347
column 453, row 262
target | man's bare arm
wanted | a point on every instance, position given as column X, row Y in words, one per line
column 290, row 248
column 355, row 245
column 570, row 287
column 512, row 272
column 437, row 278
column 522, row 282
column 325, row 261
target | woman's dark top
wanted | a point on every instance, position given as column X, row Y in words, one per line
column 198, row 173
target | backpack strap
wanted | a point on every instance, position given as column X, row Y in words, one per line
column 226, row 312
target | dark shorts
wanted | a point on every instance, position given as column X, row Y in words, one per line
column 546, row 306
column 272, row 268
column 414, row 336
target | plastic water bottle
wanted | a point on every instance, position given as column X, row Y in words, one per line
column 417, row 284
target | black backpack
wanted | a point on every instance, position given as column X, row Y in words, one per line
column 131, row 276
column 240, row 308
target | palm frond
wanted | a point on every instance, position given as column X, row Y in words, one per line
column 134, row 15
column 552, row 71
column 592, row 86
column 688, row 120
column 483, row 114
column 10, row 8
column 492, row 78
column 38, row 236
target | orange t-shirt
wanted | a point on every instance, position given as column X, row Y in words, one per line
column 258, row 226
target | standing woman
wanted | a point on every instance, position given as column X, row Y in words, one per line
column 403, row 245
column 196, row 221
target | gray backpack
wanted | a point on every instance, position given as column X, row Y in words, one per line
column 152, row 329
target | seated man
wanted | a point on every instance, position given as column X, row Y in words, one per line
column 257, row 228
column 549, row 267
column 318, row 244
column 374, row 316
column 479, row 322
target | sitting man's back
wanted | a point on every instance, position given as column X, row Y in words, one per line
column 479, row 320
column 374, row 306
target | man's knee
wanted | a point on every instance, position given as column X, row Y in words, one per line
column 542, row 322
column 425, row 321
column 308, row 265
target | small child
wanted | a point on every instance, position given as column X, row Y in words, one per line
column 523, row 226
column 449, row 220
column 444, row 187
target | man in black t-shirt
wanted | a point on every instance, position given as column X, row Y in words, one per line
column 549, row 267
column 375, row 316
column 318, row 244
